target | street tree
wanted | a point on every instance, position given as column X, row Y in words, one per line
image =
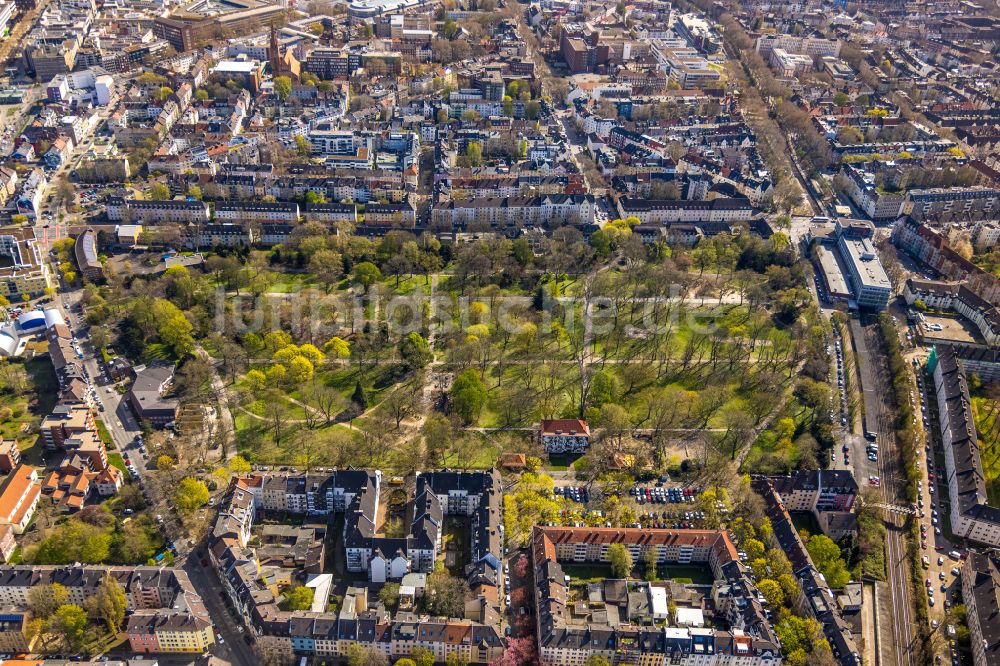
column 190, row 494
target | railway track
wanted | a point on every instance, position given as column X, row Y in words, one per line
column 879, row 418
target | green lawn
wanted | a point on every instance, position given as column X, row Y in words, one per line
column 289, row 283
column 116, row 460
column 687, row 573
column 408, row 284
column 989, row 437
column 561, row 462
column 682, row 573
column 586, row 573
column 102, row 432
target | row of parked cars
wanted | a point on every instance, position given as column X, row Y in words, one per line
column 663, row 495
column 574, row 493
column 840, row 382
column 672, row 519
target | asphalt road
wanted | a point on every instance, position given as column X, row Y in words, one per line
column 234, row 649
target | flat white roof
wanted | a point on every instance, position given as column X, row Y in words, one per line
column 321, row 584
column 690, row 617
column 658, row 601
column 862, row 255
column 238, row 66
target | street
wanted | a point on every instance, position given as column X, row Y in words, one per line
column 235, row 649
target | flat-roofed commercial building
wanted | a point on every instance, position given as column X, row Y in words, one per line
column 203, row 20
column 867, row 278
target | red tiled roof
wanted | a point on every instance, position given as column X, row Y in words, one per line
column 565, row 427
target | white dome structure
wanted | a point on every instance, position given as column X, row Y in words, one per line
column 53, row 317
column 8, row 344
column 32, row 320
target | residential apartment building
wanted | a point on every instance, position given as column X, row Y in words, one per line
column 14, row 632
column 10, row 455
column 347, row 148
column 651, row 211
column 6, row 13
column 569, row 634
column 953, row 203
column 930, row 247
column 332, row 213
column 564, row 435
column 817, row 490
column 958, row 298
column 167, row 614
column 220, row 234
column 65, row 422
column 8, row 184
column 971, row 516
column 24, row 273
column 19, row 493
column 395, row 214
column 141, row 211
column 877, row 205
column 7, row 542
column 257, row 211
column 421, row 545
column 814, row 47
column 985, row 236
column 271, row 234
column 981, row 596
column 815, row 599
column 515, row 212
column 145, row 587
column 163, row 631
column 283, row 636
column 237, row 514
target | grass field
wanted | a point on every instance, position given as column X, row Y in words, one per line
column 289, row 283
column 682, row 573
column 986, row 414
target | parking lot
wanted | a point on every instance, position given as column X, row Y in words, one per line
column 661, row 495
